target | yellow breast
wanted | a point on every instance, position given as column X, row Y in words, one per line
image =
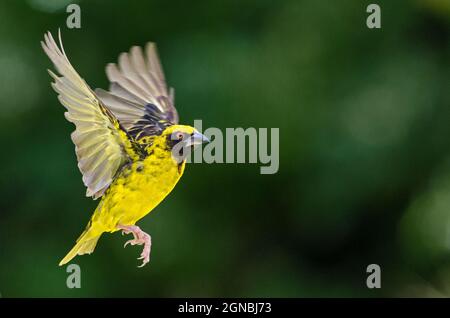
column 138, row 189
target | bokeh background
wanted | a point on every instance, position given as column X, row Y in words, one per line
column 364, row 118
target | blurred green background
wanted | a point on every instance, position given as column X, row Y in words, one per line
column 364, row 174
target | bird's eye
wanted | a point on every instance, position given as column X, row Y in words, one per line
column 180, row 136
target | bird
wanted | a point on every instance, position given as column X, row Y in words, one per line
column 130, row 148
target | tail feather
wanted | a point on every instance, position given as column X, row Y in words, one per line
column 85, row 245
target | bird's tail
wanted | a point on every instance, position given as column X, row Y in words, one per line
column 85, row 244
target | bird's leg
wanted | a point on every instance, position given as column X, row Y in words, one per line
column 140, row 237
column 127, row 230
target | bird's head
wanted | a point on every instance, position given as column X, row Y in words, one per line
column 181, row 139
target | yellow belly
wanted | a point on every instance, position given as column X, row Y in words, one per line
column 137, row 190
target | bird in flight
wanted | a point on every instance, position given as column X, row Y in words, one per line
column 130, row 148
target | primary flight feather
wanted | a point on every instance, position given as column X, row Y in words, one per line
column 130, row 148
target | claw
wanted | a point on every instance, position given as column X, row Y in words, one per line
column 145, row 260
column 140, row 238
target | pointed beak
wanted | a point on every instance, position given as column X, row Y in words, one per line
column 197, row 138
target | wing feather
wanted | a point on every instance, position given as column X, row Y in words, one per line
column 101, row 145
column 138, row 94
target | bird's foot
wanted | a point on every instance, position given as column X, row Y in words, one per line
column 140, row 238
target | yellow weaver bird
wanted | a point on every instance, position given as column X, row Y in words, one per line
column 130, row 148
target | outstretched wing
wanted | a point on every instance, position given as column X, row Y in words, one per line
column 101, row 145
column 138, row 94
